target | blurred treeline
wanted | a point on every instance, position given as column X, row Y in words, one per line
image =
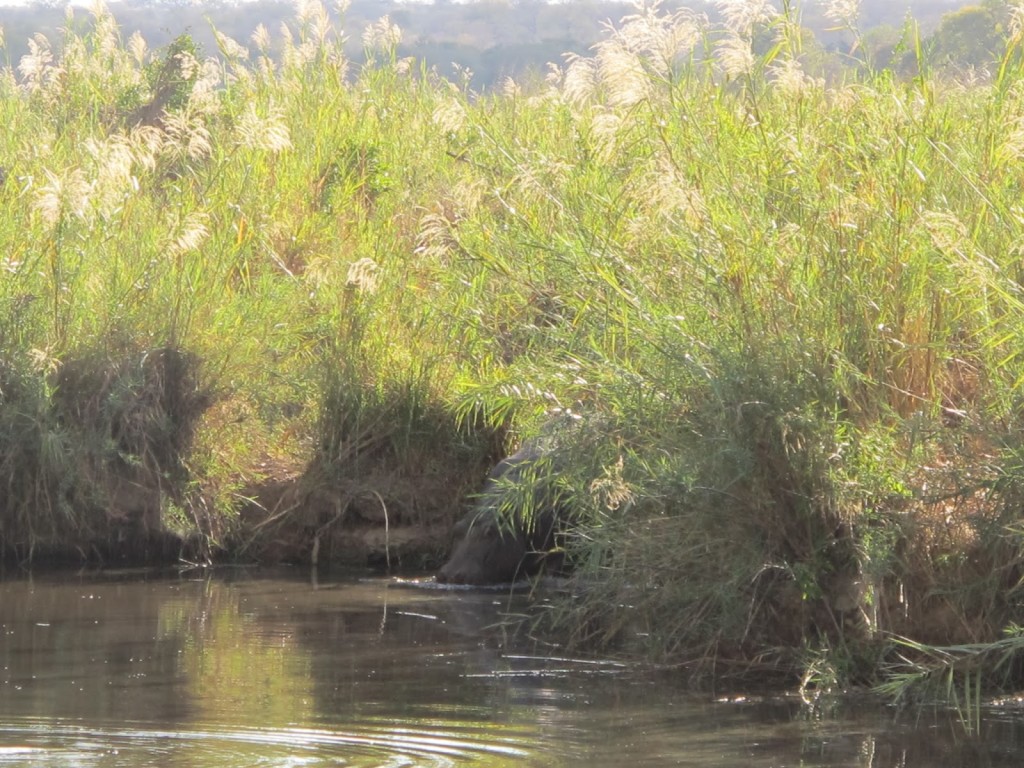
column 485, row 41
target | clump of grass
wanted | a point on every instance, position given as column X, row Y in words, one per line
column 96, row 450
column 961, row 675
column 814, row 336
column 35, row 465
column 132, row 415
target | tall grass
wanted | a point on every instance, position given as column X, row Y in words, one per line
column 788, row 311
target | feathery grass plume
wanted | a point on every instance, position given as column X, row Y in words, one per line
column 467, row 195
column 8, row 81
column 1015, row 28
column 363, row 275
column 382, row 36
column 610, row 491
column 579, row 80
column 269, row 133
column 233, row 51
column 669, row 195
column 544, row 98
column 682, row 32
column 187, row 136
column 312, row 16
column 436, row 239
column 554, row 75
column 261, row 39
column 36, row 67
column 843, row 12
column 113, row 159
column 510, row 89
column 188, row 233
column 306, row 11
column 845, row 98
column 735, row 55
column 948, row 234
column 106, row 33
column 265, row 64
column 457, row 84
column 204, row 98
column 742, row 16
column 108, row 53
column 604, row 129
column 146, row 142
column 63, row 195
column 266, row 69
column 1011, row 147
column 95, row 55
column 449, row 116
column 621, row 72
column 660, row 39
column 43, row 361
column 3, row 42
column 295, row 58
column 530, row 186
column 288, row 52
column 187, row 64
column 137, row 48
column 789, row 78
column 98, row 57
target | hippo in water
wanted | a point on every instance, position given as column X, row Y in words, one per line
column 496, row 542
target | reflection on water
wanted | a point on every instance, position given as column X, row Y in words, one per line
column 138, row 670
column 55, row 743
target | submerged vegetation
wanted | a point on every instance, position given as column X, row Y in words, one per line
column 274, row 305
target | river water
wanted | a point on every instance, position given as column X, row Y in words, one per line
column 241, row 669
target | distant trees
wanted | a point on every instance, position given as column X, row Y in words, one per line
column 972, row 37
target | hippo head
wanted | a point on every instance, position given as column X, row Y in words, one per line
column 495, row 545
column 485, row 554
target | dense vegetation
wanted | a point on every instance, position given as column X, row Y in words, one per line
column 245, row 299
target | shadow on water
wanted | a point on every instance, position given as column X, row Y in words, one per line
column 242, row 670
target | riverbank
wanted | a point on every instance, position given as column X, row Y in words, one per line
column 272, row 307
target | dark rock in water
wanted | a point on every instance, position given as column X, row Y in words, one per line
column 499, row 541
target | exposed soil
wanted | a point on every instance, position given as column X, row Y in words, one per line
column 290, row 520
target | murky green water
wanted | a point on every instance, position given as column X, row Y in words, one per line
column 249, row 671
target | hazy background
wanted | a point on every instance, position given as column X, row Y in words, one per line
column 498, row 38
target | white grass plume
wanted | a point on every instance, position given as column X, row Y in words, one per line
column 268, row 133
column 63, row 195
column 37, row 67
column 382, row 36
column 743, row 16
column 187, row 136
column 363, row 275
column 188, row 234
column 735, row 55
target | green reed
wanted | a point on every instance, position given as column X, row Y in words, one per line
column 787, row 310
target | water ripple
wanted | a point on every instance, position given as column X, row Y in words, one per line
column 50, row 743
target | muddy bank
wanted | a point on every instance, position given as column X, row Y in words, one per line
column 291, row 520
column 284, row 523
